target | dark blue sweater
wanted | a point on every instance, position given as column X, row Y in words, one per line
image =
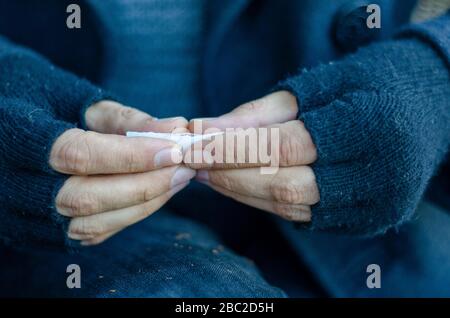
column 380, row 116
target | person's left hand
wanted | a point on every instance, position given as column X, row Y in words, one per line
column 289, row 192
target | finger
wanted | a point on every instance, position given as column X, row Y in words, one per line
column 88, row 240
column 100, row 224
column 98, row 239
column 82, row 152
column 290, row 212
column 82, row 196
column 275, row 108
column 87, row 237
column 287, row 144
column 291, row 185
column 109, row 117
column 178, row 130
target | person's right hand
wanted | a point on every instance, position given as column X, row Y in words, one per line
column 115, row 181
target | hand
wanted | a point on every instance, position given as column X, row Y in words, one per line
column 115, row 181
column 289, row 192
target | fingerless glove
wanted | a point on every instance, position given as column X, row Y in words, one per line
column 38, row 102
column 380, row 120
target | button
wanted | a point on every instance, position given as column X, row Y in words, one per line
column 350, row 29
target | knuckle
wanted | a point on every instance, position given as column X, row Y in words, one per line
column 71, row 202
column 254, row 105
column 73, row 154
column 286, row 191
column 128, row 112
column 311, row 189
column 308, row 146
column 291, row 150
column 83, row 204
column 222, row 179
column 86, row 226
column 147, row 193
column 180, row 123
column 62, row 198
column 297, row 146
column 251, row 106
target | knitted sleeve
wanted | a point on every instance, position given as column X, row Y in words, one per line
column 38, row 102
column 380, row 119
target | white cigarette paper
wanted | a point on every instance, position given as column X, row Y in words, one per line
column 184, row 140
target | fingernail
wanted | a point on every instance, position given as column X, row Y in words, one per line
column 202, row 175
column 168, row 156
column 182, row 175
column 178, row 188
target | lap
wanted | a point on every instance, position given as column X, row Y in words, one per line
column 163, row 256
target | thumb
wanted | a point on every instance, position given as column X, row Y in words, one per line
column 110, row 117
column 278, row 107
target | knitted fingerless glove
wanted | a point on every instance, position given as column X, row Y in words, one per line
column 38, row 102
column 380, row 120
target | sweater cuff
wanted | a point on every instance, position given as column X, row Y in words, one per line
column 435, row 32
column 29, row 216
column 27, row 134
column 28, row 76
